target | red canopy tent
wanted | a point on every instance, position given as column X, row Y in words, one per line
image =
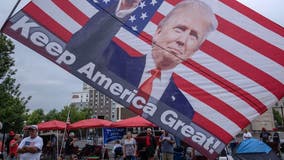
column 136, row 121
column 52, row 125
column 90, row 123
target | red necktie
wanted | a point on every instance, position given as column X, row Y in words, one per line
column 146, row 89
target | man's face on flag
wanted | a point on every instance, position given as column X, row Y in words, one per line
column 179, row 37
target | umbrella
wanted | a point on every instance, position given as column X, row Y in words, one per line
column 90, row 123
column 52, row 125
column 136, row 121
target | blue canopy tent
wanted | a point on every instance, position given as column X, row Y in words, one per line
column 254, row 149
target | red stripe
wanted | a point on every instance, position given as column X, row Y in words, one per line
column 211, row 101
column 255, row 16
column 260, row 77
column 173, row 2
column 251, row 40
column 157, row 17
column 72, row 11
column 145, row 37
column 131, row 51
column 230, row 87
column 212, row 128
column 38, row 15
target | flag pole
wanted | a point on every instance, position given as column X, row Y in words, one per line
column 65, row 130
column 10, row 14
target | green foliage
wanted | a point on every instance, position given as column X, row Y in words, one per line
column 76, row 114
column 12, row 104
column 36, row 117
column 277, row 117
column 52, row 115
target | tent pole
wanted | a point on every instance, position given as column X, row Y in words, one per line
column 65, row 130
column 57, row 144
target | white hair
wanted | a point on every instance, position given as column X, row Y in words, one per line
column 202, row 6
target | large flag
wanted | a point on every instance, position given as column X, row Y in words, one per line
column 235, row 76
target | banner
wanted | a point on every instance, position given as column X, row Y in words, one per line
column 111, row 134
column 202, row 70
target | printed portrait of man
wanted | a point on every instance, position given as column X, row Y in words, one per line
column 177, row 37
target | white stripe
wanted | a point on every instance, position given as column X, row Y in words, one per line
column 212, row 115
column 150, row 28
column 85, row 7
column 216, row 91
column 248, row 85
column 248, row 24
column 133, row 41
column 58, row 15
column 165, row 8
column 248, row 55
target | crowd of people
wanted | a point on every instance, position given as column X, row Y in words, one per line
column 32, row 147
column 27, row 148
column 163, row 147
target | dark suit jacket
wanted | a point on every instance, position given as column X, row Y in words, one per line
column 93, row 44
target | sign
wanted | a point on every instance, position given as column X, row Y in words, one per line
column 111, row 134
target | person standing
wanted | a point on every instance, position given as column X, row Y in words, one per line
column 167, row 146
column 13, row 146
column 8, row 140
column 150, row 144
column 264, row 135
column 246, row 134
column 69, row 146
column 129, row 147
column 117, row 150
column 30, row 147
column 276, row 142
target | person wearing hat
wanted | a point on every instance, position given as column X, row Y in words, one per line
column 31, row 146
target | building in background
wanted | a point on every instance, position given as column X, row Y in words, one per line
column 102, row 106
column 80, row 99
column 266, row 120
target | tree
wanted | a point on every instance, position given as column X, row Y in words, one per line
column 52, row 115
column 277, row 117
column 76, row 114
column 36, row 117
column 12, row 104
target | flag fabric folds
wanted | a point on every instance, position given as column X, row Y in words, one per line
column 235, row 76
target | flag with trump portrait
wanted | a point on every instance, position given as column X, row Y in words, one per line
column 201, row 69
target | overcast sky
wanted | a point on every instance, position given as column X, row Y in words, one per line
column 51, row 87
